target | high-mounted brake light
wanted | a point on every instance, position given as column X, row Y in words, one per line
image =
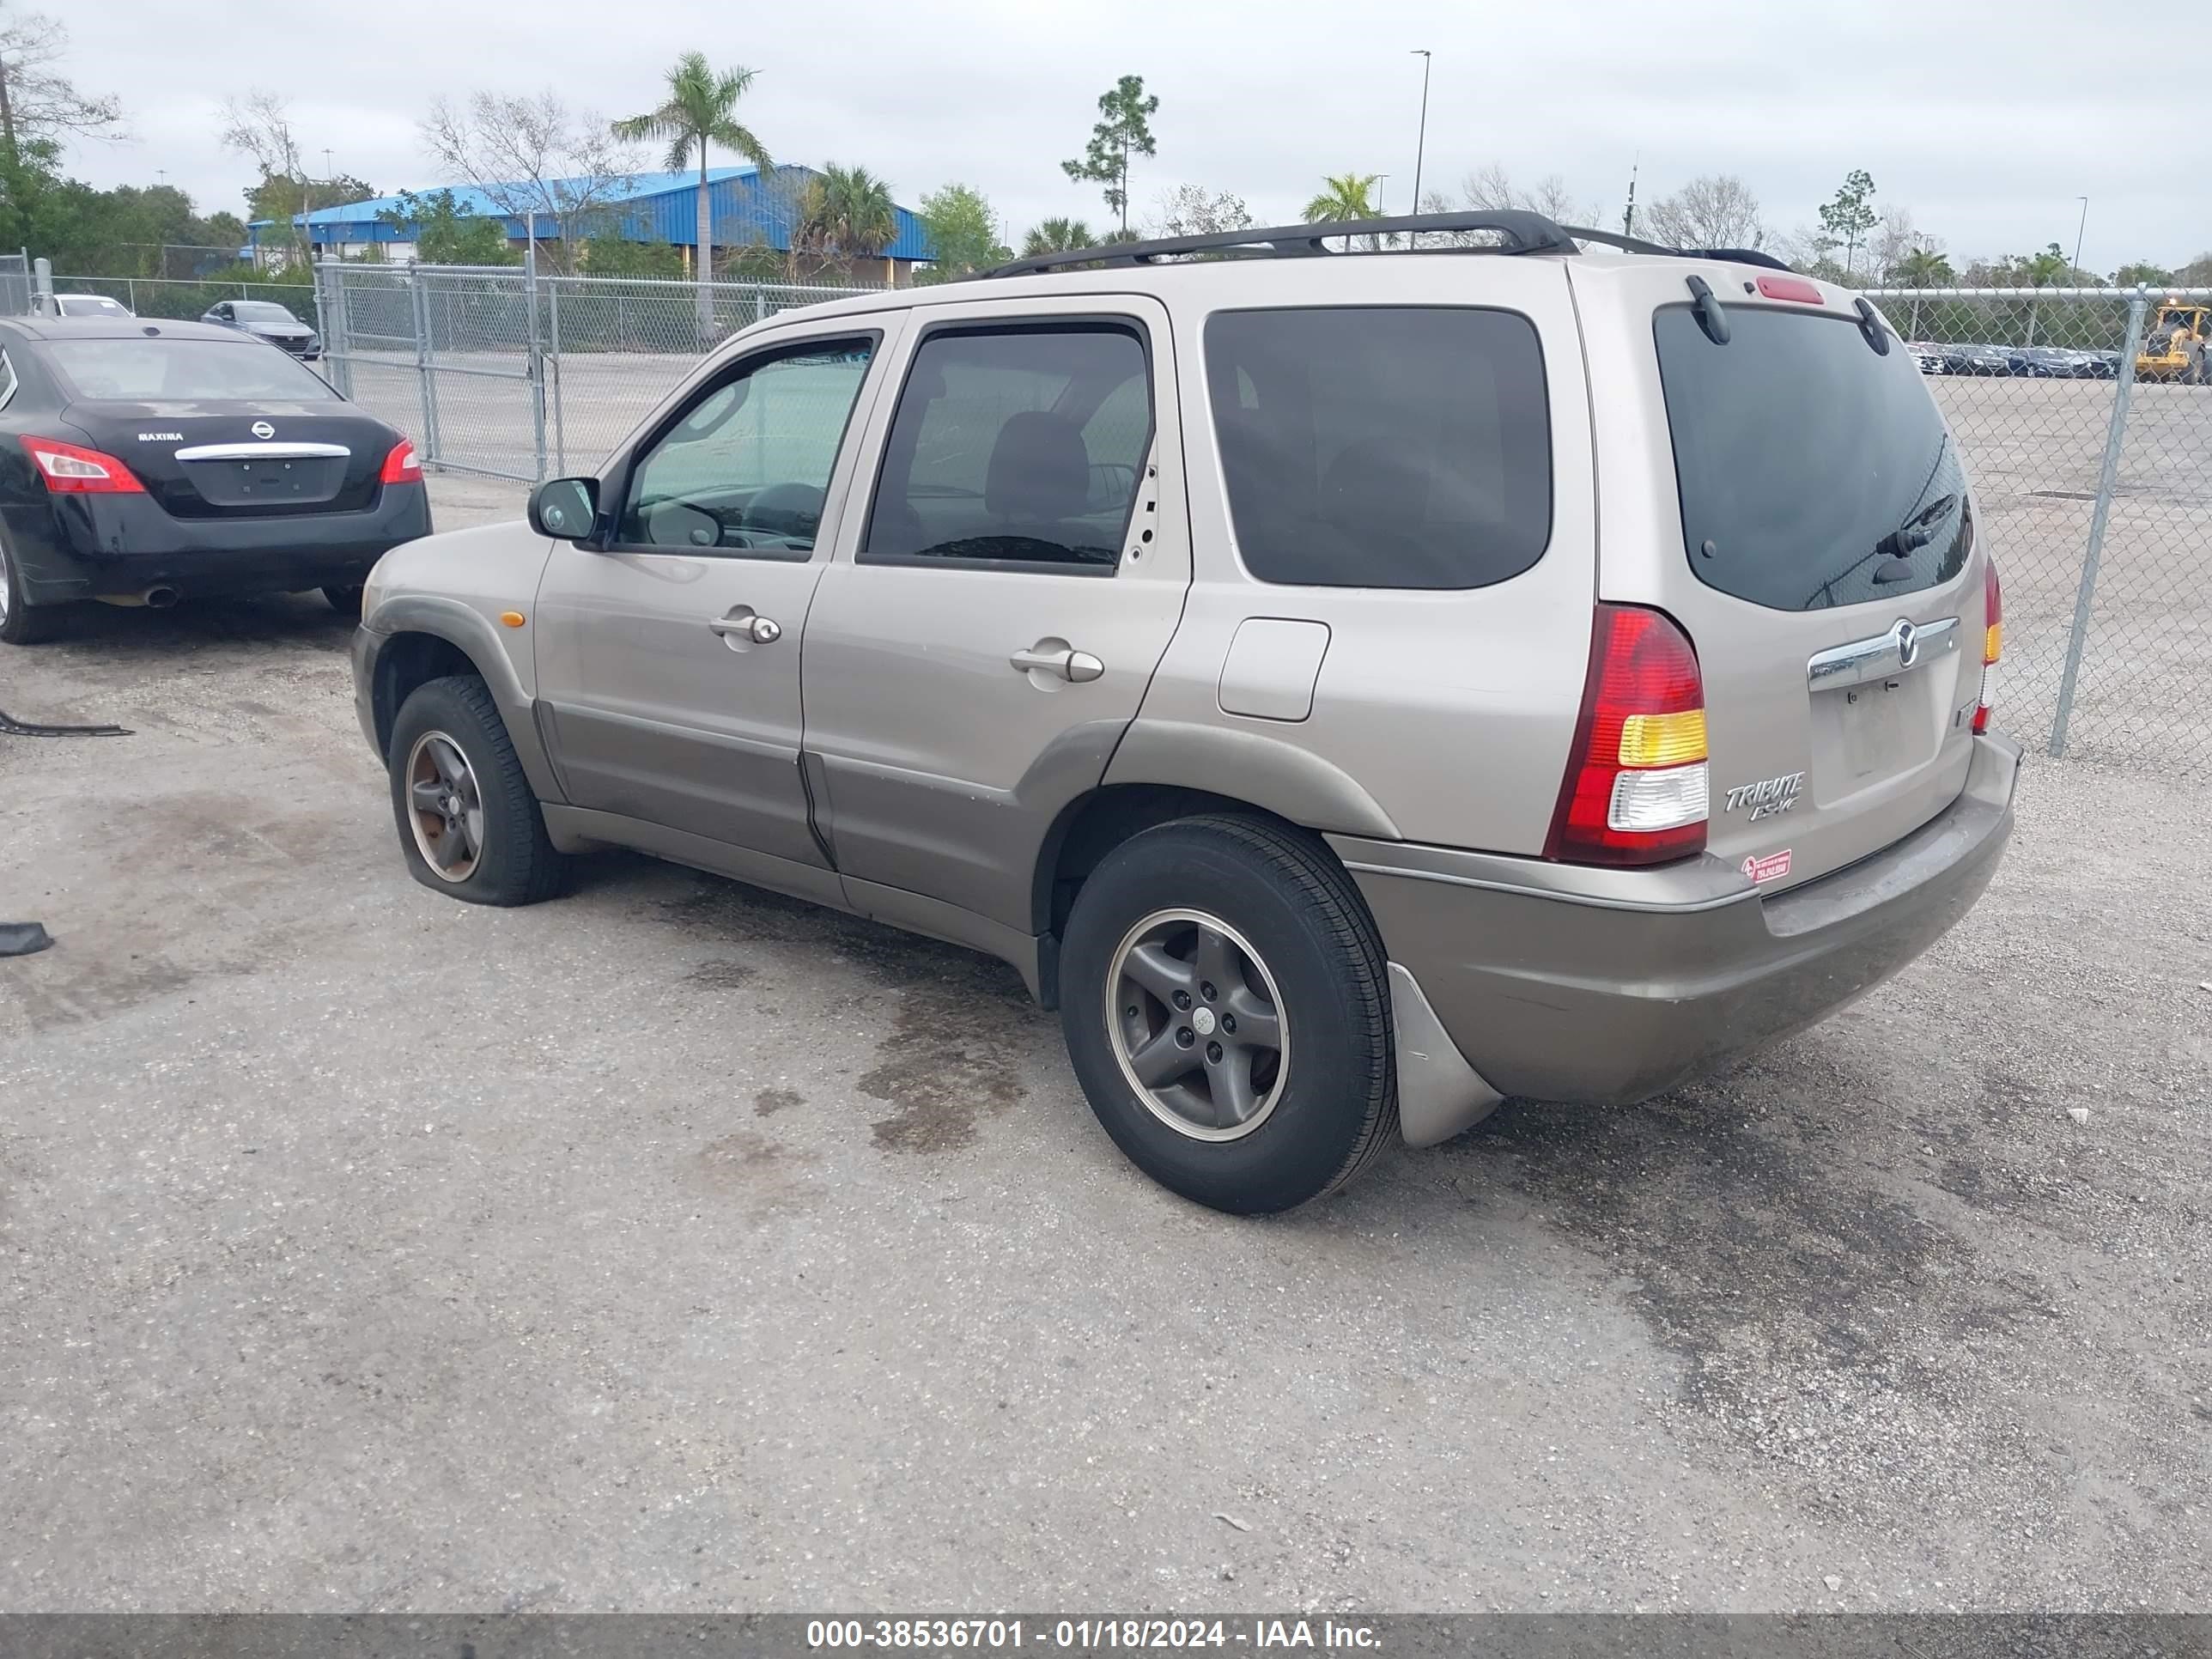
column 400, row 466
column 1789, row 288
column 1992, row 643
column 1637, row 789
column 71, row 469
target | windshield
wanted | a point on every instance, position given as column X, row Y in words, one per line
column 262, row 311
column 158, row 370
column 86, row 305
column 1813, row 471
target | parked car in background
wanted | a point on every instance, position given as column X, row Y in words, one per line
column 1117, row 623
column 2044, row 363
column 1927, row 357
column 2103, row 365
column 77, row 305
column 142, row 463
column 266, row 320
column 1976, row 360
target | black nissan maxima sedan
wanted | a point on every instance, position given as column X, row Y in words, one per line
column 145, row 462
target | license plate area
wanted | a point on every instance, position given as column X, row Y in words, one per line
column 1864, row 734
column 302, row 481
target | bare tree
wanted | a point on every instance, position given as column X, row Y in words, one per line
column 258, row 126
column 1894, row 243
column 1492, row 188
column 1715, row 210
column 38, row 105
column 1193, row 210
column 534, row 156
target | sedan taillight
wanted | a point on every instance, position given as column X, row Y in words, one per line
column 400, row 466
column 72, row 470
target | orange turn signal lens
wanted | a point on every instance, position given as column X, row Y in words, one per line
column 1993, row 642
column 512, row 618
column 1673, row 739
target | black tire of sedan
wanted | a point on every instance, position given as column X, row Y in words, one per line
column 468, row 820
column 346, row 601
column 23, row 622
column 1181, row 931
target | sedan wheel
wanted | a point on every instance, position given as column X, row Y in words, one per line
column 446, row 806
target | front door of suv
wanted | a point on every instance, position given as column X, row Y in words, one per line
column 1021, row 569
column 668, row 660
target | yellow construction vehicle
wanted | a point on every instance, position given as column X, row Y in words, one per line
column 2174, row 347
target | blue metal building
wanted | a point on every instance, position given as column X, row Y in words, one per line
column 648, row 207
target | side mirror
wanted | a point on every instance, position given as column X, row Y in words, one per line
column 567, row 509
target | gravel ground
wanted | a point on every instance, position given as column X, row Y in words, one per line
column 678, row 1247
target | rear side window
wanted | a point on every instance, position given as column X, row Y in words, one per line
column 155, row 370
column 1015, row 446
column 1382, row 447
column 1813, row 471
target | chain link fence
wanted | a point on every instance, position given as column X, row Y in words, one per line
column 2085, row 419
column 14, row 284
column 185, row 301
column 2086, row 425
column 514, row 375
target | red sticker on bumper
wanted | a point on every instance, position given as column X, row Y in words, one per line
column 1774, row 865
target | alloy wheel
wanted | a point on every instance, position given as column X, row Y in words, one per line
column 445, row 806
column 1197, row 1024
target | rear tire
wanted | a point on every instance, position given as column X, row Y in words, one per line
column 346, row 601
column 23, row 622
column 1288, row 919
column 469, row 823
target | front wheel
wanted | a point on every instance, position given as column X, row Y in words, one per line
column 469, row 823
column 1224, row 1002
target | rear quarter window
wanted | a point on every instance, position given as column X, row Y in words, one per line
column 1808, row 465
column 1399, row 447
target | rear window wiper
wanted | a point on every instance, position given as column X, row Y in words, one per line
column 1915, row 533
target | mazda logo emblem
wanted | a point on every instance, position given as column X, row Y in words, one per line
column 263, row 429
column 1908, row 643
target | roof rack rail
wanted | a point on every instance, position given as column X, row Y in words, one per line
column 1523, row 233
column 1735, row 256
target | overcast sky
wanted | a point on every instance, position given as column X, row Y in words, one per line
column 1986, row 123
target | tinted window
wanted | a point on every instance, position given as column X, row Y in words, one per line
column 262, row 311
column 1020, row 444
column 1382, row 447
column 1807, row 464
column 153, row 370
column 747, row 467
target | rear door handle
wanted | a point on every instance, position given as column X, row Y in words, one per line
column 743, row 625
column 1058, row 657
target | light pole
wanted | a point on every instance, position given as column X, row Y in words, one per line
column 1421, row 142
column 2078, row 229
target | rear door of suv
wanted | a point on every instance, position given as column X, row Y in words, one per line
column 1788, row 492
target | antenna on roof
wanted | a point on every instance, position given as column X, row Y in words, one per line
column 1628, row 219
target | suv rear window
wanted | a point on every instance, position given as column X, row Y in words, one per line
column 1808, row 465
column 1383, row 447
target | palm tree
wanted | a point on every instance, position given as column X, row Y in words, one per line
column 1922, row 268
column 848, row 212
column 2048, row 269
column 700, row 110
column 1058, row 236
column 1345, row 196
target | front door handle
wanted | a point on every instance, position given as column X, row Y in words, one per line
column 1055, row 656
column 743, row 626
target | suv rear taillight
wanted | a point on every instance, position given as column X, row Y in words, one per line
column 1992, row 643
column 71, row 469
column 400, row 466
column 1637, row 788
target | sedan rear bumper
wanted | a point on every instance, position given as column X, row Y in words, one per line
column 96, row 546
column 1567, row 985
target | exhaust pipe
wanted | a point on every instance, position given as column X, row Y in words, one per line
column 160, row 598
column 154, row 599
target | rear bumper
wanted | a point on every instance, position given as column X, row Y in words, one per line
column 1580, row 985
column 84, row 547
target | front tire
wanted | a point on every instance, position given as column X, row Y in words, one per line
column 1225, row 1004
column 469, row 822
column 23, row 622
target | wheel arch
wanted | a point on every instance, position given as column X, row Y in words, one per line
column 422, row 638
